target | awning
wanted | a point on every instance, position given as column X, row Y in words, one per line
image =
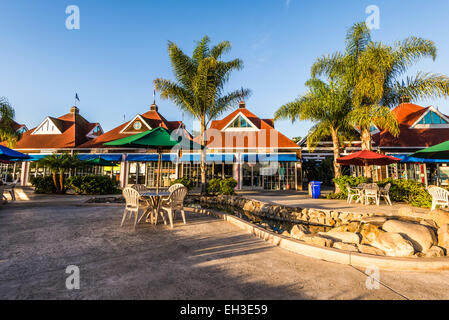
column 107, row 157
column 270, row 157
column 407, row 159
column 151, row 157
column 216, row 158
column 36, row 157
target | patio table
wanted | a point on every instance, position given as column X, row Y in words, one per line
column 155, row 199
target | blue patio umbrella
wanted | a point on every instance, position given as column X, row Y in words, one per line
column 9, row 154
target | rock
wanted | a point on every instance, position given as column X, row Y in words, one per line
column 353, row 226
column 249, row 206
column 305, row 211
column 429, row 223
column 369, row 231
column 405, row 212
column 439, row 216
column 317, row 240
column 443, row 236
column 435, row 252
column 393, row 244
column 348, row 237
column 374, row 220
column 285, row 234
column 422, row 237
column 370, row 250
column 299, row 232
column 345, row 246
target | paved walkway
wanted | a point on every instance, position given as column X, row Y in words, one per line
column 302, row 200
column 205, row 259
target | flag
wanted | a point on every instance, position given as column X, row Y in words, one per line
column 76, row 97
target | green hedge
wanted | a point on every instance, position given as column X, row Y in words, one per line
column 221, row 186
column 93, row 184
column 43, row 185
column 186, row 182
column 408, row 191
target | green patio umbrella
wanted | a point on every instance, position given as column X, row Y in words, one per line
column 100, row 162
column 157, row 138
column 439, row 151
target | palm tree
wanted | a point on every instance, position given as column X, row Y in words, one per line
column 60, row 165
column 327, row 105
column 7, row 132
column 200, row 85
column 53, row 163
column 374, row 73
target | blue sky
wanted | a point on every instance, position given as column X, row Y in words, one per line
column 121, row 47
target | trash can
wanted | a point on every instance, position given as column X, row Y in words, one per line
column 315, row 186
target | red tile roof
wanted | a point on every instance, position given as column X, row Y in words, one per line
column 407, row 114
column 267, row 137
column 152, row 117
column 74, row 129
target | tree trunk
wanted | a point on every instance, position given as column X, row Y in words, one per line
column 203, row 156
column 61, row 182
column 55, row 181
column 337, row 166
column 366, row 145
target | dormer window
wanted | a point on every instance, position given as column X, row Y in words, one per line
column 239, row 123
column 432, row 118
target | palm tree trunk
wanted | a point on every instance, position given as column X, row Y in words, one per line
column 55, row 181
column 366, row 145
column 337, row 167
column 203, row 155
column 61, row 182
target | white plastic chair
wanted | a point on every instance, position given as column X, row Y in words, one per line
column 440, row 197
column 371, row 191
column 133, row 204
column 2, row 195
column 139, row 187
column 11, row 189
column 385, row 193
column 352, row 192
column 175, row 203
column 175, row 186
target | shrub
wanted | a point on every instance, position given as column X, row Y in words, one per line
column 92, row 184
column 213, row 187
column 227, row 186
column 43, row 184
column 186, row 182
column 342, row 181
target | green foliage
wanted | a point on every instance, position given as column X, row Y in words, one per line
column 43, row 185
column 92, row 184
column 186, row 182
column 7, row 131
column 409, row 191
column 222, row 186
column 341, row 183
column 227, row 186
column 401, row 190
column 213, row 187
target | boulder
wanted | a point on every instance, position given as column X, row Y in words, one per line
column 440, row 217
column 370, row 250
column 429, row 223
column 299, row 232
column 317, row 240
column 348, row 237
column 374, row 220
column 368, row 230
column 393, row 244
column 285, row 234
column 422, row 237
column 443, row 236
column 345, row 246
column 435, row 252
column 353, row 226
column 249, row 206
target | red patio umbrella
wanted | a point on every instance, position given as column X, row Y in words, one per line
column 367, row 158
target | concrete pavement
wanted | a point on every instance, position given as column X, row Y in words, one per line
column 205, row 259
